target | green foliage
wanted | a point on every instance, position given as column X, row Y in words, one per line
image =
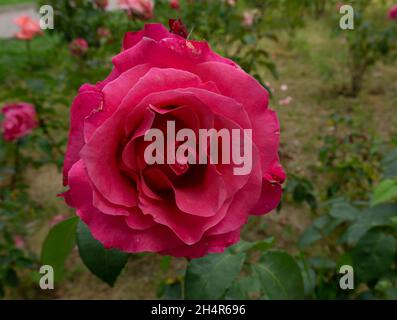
column 77, row 19
column 365, row 234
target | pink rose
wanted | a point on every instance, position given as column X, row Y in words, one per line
column 174, row 4
column 78, row 47
column 19, row 242
column 29, row 28
column 393, row 13
column 143, row 8
column 181, row 209
column 19, row 120
column 102, row 4
column 103, row 33
column 248, row 18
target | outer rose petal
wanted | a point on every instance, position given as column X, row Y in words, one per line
column 83, row 105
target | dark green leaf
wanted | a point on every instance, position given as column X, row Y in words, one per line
column 11, row 278
column 384, row 192
column 105, row 264
column 280, row 276
column 58, row 245
column 368, row 219
column 373, row 255
column 209, row 277
column 344, row 211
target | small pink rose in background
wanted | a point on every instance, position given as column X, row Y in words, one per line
column 142, row 8
column 104, row 33
column 249, row 17
column 174, row 4
column 283, row 87
column 57, row 219
column 29, row 28
column 285, row 102
column 78, row 47
column 19, row 241
column 102, row 4
column 231, row 3
column 19, row 120
column 393, row 13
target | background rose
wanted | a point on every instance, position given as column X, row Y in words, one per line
column 19, row 120
column 393, row 13
column 78, row 47
column 181, row 211
column 143, row 8
column 29, row 28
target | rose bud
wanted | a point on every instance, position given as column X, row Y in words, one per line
column 78, row 47
column 177, row 27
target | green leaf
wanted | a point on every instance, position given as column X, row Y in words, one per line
column 280, row 276
column 243, row 287
column 11, row 278
column 344, row 211
column 105, row 264
column 322, row 263
column 244, row 246
column 384, row 192
column 321, row 227
column 58, row 245
column 209, row 277
column 370, row 218
column 389, row 164
column 373, row 255
column 308, row 276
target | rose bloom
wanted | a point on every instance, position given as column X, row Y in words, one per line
column 174, row 4
column 102, row 4
column 180, row 210
column 103, row 33
column 143, row 8
column 248, row 18
column 29, row 28
column 393, row 13
column 78, row 47
column 19, row 120
column 19, row 242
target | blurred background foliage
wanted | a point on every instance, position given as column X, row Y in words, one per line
column 335, row 92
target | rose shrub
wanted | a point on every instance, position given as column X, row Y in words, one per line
column 180, row 211
column 19, row 120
